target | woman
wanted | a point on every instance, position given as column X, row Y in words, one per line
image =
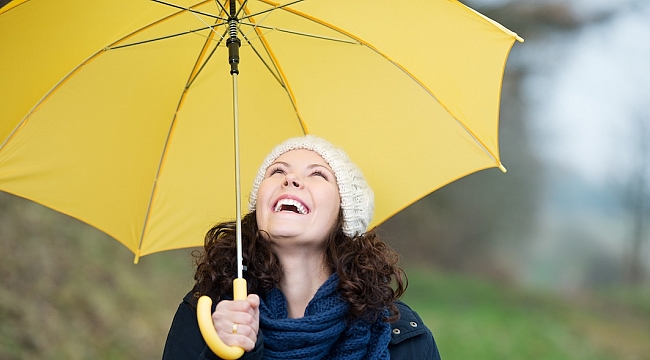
column 322, row 286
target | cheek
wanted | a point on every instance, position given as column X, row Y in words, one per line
column 263, row 192
column 335, row 205
column 261, row 203
column 260, row 220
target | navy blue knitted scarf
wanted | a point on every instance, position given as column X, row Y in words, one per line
column 323, row 332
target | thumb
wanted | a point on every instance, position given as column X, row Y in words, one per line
column 253, row 300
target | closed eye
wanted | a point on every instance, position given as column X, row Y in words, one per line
column 275, row 170
column 320, row 173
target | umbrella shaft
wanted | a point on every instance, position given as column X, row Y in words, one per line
column 240, row 258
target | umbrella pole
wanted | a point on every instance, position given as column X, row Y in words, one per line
column 239, row 284
column 240, row 289
column 233, row 44
column 240, row 257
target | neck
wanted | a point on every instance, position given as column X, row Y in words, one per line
column 304, row 273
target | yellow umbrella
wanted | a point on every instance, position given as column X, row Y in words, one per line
column 120, row 112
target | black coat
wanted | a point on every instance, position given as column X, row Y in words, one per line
column 410, row 340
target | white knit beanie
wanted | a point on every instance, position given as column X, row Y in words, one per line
column 357, row 199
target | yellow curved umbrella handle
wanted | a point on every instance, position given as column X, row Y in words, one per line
column 204, row 315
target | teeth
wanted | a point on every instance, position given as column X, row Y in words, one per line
column 290, row 202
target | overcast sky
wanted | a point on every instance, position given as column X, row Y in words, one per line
column 588, row 87
column 588, row 100
column 585, row 90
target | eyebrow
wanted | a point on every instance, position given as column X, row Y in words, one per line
column 277, row 163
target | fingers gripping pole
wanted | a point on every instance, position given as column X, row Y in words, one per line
column 204, row 315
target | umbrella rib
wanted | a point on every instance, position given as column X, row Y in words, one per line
column 196, row 73
column 280, row 73
column 198, row 66
column 273, row 71
column 403, row 69
column 115, row 45
column 252, row 25
column 223, row 9
column 275, row 7
column 161, row 38
column 189, row 9
column 48, row 94
column 259, row 56
column 321, row 37
column 11, row 5
column 222, row 36
column 255, row 24
column 182, row 10
column 499, row 26
column 79, row 66
column 69, row 75
column 97, row 54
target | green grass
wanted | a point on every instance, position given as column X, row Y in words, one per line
column 476, row 319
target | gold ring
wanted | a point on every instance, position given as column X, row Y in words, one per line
column 234, row 328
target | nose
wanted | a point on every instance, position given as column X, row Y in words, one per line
column 291, row 180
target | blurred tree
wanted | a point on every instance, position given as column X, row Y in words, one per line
column 638, row 198
column 483, row 223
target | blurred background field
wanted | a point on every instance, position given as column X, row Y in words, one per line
column 477, row 319
column 70, row 292
column 548, row 261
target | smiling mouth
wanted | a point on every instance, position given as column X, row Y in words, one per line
column 290, row 205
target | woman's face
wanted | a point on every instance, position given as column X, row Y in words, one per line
column 298, row 201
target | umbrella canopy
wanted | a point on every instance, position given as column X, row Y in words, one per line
column 120, row 112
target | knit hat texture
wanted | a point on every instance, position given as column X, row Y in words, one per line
column 357, row 199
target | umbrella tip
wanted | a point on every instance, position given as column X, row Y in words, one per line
column 502, row 168
column 136, row 260
column 519, row 38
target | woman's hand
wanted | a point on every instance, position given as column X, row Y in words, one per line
column 237, row 322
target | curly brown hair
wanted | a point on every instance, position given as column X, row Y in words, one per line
column 370, row 278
